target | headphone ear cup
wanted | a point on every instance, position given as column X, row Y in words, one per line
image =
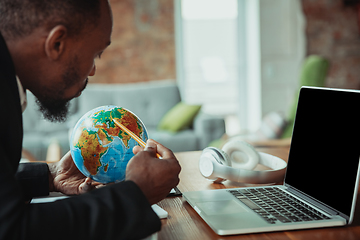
column 241, row 154
column 212, row 160
column 225, row 159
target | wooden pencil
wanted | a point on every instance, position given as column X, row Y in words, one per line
column 133, row 135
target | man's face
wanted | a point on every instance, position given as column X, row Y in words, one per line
column 79, row 63
column 52, row 103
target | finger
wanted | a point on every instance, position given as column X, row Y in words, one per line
column 86, row 186
column 137, row 149
column 151, row 146
column 67, row 155
column 163, row 151
column 96, row 184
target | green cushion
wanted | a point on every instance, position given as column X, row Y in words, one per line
column 179, row 117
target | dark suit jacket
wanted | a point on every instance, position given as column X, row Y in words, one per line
column 119, row 211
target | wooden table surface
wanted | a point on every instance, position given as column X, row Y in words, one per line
column 184, row 223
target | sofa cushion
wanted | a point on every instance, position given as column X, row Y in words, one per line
column 185, row 140
column 179, row 117
column 149, row 101
column 94, row 96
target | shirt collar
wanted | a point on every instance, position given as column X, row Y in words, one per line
column 22, row 94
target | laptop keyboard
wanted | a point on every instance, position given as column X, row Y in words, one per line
column 275, row 205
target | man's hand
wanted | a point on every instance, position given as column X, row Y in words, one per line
column 64, row 177
column 155, row 177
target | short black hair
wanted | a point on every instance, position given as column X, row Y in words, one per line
column 18, row 18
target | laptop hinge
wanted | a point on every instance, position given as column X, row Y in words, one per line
column 312, row 201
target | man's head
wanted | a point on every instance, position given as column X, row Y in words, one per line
column 53, row 45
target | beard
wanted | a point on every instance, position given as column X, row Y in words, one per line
column 52, row 104
column 54, row 110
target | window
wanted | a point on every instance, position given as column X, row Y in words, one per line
column 239, row 58
column 209, row 50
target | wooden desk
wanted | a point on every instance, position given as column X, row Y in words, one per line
column 184, row 223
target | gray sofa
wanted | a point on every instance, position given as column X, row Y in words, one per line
column 150, row 101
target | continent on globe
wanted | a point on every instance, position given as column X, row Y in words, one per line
column 99, row 148
column 91, row 150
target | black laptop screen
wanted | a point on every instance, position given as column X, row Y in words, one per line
column 325, row 148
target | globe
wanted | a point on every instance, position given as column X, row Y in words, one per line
column 100, row 149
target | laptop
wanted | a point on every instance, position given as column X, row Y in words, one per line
column 321, row 181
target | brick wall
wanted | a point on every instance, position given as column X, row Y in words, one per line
column 332, row 31
column 143, row 43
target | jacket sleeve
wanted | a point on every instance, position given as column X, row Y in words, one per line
column 117, row 211
column 33, row 179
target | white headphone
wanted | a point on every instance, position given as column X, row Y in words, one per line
column 236, row 162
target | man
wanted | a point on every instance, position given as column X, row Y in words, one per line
column 49, row 47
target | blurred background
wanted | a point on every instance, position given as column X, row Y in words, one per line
column 242, row 61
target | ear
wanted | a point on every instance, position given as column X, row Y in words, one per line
column 55, row 42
